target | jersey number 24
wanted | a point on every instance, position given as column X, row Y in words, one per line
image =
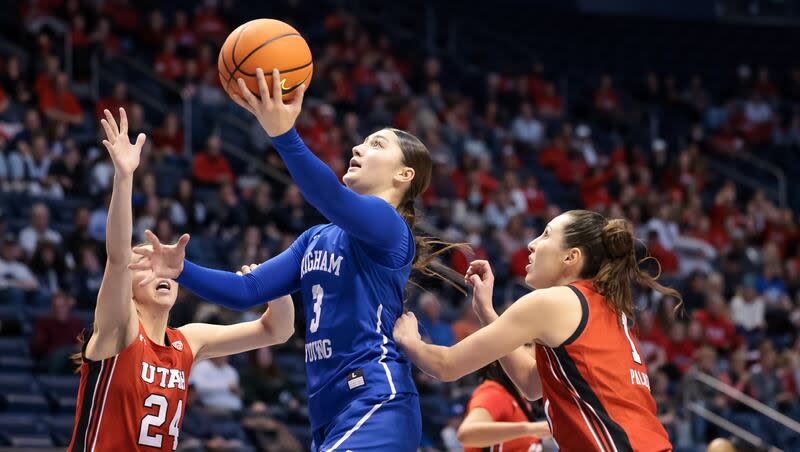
column 158, row 420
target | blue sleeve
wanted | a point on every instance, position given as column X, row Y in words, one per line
column 370, row 219
column 274, row 278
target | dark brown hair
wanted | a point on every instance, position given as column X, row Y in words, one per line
column 609, row 258
column 416, row 156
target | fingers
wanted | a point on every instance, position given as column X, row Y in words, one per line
column 153, row 239
column 112, row 123
column 143, row 251
column 139, row 140
column 109, row 133
column 253, row 266
column 143, row 264
column 241, row 102
column 298, row 97
column 248, row 96
column 277, row 92
column 262, row 85
column 183, row 241
column 123, row 122
column 107, row 145
column 475, row 280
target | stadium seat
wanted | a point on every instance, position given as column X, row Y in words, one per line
column 16, row 363
column 30, row 441
column 19, row 382
column 61, row 428
column 13, row 345
column 25, row 403
column 66, row 404
column 21, row 424
column 59, row 385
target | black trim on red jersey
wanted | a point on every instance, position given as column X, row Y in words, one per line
column 584, row 316
column 618, row 434
column 82, row 426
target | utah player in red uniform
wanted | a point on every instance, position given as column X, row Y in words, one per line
column 135, row 370
column 587, row 367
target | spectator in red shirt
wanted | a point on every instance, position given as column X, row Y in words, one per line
column 499, row 417
column 46, row 80
column 167, row 63
column 117, row 100
column 60, row 104
column 211, row 167
column 154, row 33
column 719, row 330
column 103, row 40
column 606, row 98
column 182, row 33
column 549, row 103
column 3, row 101
column 55, row 335
column 665, row 257
column 680, row 349
column 169, row 137
column 207, row 23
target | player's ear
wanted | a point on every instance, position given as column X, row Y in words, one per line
column 405, row 174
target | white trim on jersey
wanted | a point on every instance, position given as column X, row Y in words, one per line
column 388, row 377
column 575, row 391
column 91, row 408
column 105, row 397
column 577, row 402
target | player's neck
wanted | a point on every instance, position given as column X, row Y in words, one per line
column 154, row 324
column 389, row 196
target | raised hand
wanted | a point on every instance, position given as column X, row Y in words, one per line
column 274, row 116
column 406, row 330
column 480, row 277
column 163, row 261
column 124, row 154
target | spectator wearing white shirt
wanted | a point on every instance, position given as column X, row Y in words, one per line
column 748, row 309
column 39, row 229
column 217, row 383
column 16, row 279
column 526, row 128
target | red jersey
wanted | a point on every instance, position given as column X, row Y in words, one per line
column 503, row 407
column 595, row 385
column 134, row 400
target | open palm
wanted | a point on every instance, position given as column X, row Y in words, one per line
column 163, row 261
column 124, row 154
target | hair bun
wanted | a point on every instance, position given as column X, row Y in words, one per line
column 618, row 238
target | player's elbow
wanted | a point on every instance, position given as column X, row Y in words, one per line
column 286, row 332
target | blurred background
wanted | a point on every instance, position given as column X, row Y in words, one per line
column 682, row 116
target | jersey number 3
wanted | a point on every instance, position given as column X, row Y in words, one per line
column 317, row 293
column 158, row 420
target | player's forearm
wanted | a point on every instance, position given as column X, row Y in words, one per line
column 278, row 321
column 119, row 225
column 520, row 367
column 431, row 359
column 486, row 434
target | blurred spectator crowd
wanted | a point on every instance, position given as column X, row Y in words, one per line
column 511, row 152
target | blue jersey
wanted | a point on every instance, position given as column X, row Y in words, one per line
column 351, row 303
column 352, row 274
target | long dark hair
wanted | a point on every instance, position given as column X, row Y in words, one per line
column 610, row 258
column 494, row 372
column 416, row 156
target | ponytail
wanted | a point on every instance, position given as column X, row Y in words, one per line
column 610, row 260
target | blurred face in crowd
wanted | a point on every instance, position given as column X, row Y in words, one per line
column 62, row 306
column 40, row 217
column 429, row 304
column 377, row 165
column 159, row 293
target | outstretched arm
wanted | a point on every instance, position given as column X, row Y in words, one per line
column 519, row 365
column 272, row 279
column 550, row 315
column 368, row 218
column 115, row 321
column 276, row 326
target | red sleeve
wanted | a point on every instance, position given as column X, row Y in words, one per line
column 47, row 101
column 71, row 105
column 499, row 404
column 202, row 170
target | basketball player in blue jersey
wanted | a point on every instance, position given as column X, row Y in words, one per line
column 352, row 274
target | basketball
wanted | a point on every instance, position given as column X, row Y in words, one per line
column 265, row 44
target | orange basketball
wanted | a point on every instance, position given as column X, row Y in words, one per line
column 265, row 44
